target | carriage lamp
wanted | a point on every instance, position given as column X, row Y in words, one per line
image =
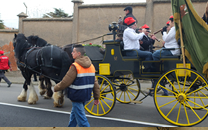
column 114, row 27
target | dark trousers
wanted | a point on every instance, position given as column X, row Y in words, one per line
column 2, row 76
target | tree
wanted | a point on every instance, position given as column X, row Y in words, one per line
column 1, row 24
column 58, row 13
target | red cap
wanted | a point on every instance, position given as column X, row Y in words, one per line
column 1, row 52
column 168, row 23
column 171, row 18
column 129, row 21
column 145, row 26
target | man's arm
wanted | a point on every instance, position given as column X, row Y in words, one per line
column 67, row 80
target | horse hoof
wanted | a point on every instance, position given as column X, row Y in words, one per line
column 31, row 103
column 46, row 97
column 42, row 92
column 57, row 105
column 21, row 99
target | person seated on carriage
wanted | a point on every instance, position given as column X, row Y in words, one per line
column 168, row 29
column 148, row 42
column 131, row 40
column 170, row 42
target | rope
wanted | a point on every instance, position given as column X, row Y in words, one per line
column 90, row 39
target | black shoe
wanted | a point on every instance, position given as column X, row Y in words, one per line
column 9, row 85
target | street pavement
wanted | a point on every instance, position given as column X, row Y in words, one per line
column 16, row 78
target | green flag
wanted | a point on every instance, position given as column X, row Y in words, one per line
column 194, row 34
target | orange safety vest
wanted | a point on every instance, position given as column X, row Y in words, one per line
column 81, row 89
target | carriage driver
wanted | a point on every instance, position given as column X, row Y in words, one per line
column 80, row 81
column 131, row 40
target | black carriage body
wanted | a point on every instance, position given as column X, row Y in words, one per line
column 115, row 63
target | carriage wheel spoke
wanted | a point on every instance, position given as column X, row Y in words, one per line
column 105, row 103
column 128, row 95
column 97, row 109
column 177, row 80
column 92, row 107
column 118, row 91
column 101, row 106
column 201, row 99
column 101, row 85
column 193, row 110
column 167, row 103
column 124, row 96
column 172, row 84
column 107, row 98
column 195, row 90
column 167, row 89
column 179, row 110
column 121, row 95
column 89, row 102
column 191, row 85
column 198, row 105
column 172, row 109
column 186, row 113
column 134, row 89
column 131, row 93
column 106, row 93
column 184, row 83
column 105, row 88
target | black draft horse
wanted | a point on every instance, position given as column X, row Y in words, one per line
column 50, row 61
column 36, row 41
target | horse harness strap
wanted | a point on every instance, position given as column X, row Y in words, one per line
column 39, row 54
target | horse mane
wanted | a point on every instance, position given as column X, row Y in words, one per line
column 22, row 45
column 37, row 41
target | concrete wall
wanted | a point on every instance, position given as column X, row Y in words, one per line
column 95, row 19
column 54, row 31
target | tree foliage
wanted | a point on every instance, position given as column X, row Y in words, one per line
column 58, row 13
column 1, row 24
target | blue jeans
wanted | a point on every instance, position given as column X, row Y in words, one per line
column 143, row 54
column 78, row 115
column 161, row 83
column 158, row 53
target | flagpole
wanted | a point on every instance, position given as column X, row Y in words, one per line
column 182, row 44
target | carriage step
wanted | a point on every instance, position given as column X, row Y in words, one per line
column 138, row 102
column 150, row 88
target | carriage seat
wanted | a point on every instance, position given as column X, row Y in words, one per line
column 176, row 56
column 123, row 52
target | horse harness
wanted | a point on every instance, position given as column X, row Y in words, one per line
column 38, row 55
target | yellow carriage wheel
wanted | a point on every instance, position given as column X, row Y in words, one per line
column 127, row 88
column 185, row 105
column 107, row 98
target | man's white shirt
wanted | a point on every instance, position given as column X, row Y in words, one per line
column 131, row 39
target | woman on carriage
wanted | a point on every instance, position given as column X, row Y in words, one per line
column 170, row 42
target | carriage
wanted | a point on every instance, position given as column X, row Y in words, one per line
column 118, row 76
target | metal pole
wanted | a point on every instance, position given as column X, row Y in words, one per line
column 25, row 6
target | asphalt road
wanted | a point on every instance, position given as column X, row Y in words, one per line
column 43, row 114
